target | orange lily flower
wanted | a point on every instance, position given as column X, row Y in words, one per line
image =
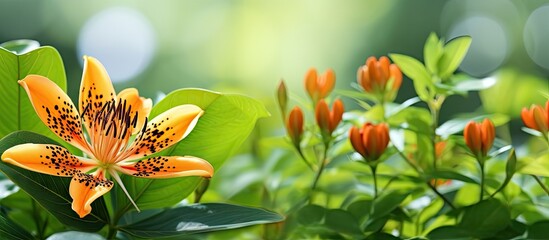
column 479, row 137
column 328, row 120
column 319, row 87
column 537, row 118
column 294, row 125
column 374, row 77
column 110, row 120
column 370, row 140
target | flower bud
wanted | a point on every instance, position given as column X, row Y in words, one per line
column 282, row 97
column 319, row 87
column 370, row 141
column 479, row 137
column 294, row 125
column 536, row 118
column 380, row 78
column 328, row 120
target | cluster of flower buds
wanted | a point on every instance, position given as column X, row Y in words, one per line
column 318, row 88
column 479, row 137
column 380, row 78
column 370, row 141
column 537, row 118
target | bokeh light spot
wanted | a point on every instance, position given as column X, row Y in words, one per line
column 122, row 39
column 489, row 47
column 536, row 36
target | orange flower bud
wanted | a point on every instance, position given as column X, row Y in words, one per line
column 319, row 87
column 294, row 125
column 536, row 118
column 282, row 97
column 479, row 137
column 439, row 149
column 328, row 120
column 370, row 141
column 374, row 77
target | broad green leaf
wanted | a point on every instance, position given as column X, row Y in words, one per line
column 415, row 70
column 432, row 51
column 474, row 84
column 387, row 202
column 360, row 209
column 72, row 235
column 342, row 221
column 538, row 230
column 382, row 235
column 9, row 230
column 20, row 46
column 50, row 192
column 454, row 52
column 199, row 218
column 311, row 214
column 538, row 166
column 226, row 123
column 485, row 218
column 17, row 111
column 449, row 233
column 512, row 231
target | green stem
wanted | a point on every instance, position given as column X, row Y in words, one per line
column 440, row 195
column 323, row 161
column 112, row 232
column 374, row 168
column 545, row 189
column 304, row 159
column 481, row 180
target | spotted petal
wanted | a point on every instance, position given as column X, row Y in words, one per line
column 163, row 131
column 85, row 188
column 139, row 105
column 95, row 90
column 47, row 159
column 168, row 167
column 55, row 109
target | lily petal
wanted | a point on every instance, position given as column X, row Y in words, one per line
column 95, row 90
column 168, row 167
column 85, row 188
column 55, row 109
column 140, row 106
column 47, row 159
column 163, row 131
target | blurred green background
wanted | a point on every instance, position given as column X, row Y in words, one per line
column 248, row 46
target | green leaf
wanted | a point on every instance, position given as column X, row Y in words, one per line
column 199, row 218
column 538, row 230
column 512, row 231
column 342, row 221
column 485, row 218
column 432, row 51
column 51, row 192
column 226, row 123
column 415, row 70
column 20, row 46
column 311, row 214
column 454, row 52
column 474, row 84
column 72, row 235
column 387, row 202
column 447, row 174
column 9, row 230
column 360, row 209
column 510, row 169
column 15, row 106
column 382, row 235
column 449, row 233
column 538, row 166
column 457, row 125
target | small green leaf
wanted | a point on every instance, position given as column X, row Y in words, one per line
column 9, row 230
column 432, row 51
column 382, row 235
column 415, row 70
column 342, row 221
column 454, row 52
column 51, row 192
column 387, row 202
column 226, row 123
column 311, row 214
column 199, row 218
column 538, row 230
column 512, row 231
column 485, row 218
column 474, row 84
column 510, row 169
column 360, row 209
column 447, row 174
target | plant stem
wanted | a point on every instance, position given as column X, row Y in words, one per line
column 440, row 195
column 323, row 161
column 545, row 189
column 374, row 168
column 481, row 196
column 112, row 232
column 304, row 159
